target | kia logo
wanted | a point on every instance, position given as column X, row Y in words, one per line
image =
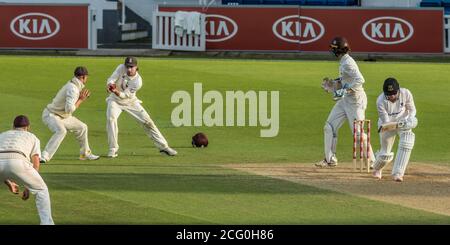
column 34, row 26
column 219, row 28
column 387, row 30
column 298, row 29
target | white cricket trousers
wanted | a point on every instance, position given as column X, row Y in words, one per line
column 348, row 108
column 137, row 111
column 15, row 167
column 59, row 126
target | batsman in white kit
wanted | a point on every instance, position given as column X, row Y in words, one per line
column 351, row 102
column 19, row 162
column 397, row 116
column 123, row 86
column 59, row 119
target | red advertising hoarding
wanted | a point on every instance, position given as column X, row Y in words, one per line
column 311, row 29
column 44, row 26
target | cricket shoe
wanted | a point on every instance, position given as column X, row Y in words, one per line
column 324, row 163
column 398, row 178
column 333, row 162
column 112, row 153
column 168, row 151
column 88, row 156
column 44, row 158
column 377, row 174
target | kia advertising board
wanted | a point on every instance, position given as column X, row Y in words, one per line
column 381, row 30
column 311, row 29
column 244, row 28
column 44, row 26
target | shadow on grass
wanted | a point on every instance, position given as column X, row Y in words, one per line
column 183, row 183
column 192, row 180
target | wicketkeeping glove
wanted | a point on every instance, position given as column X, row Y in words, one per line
column 328, row 85
column 338, row 94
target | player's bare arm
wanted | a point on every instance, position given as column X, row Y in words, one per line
column 84, row 95
column 110, row 87
column 12, row 186
column 114, row 90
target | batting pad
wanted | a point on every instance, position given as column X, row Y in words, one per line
column 382, row 159
column 405, row 147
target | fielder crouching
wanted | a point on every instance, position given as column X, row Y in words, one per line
column 122, row 86
column 59, row 119
column 397, row 115
column 19, row 161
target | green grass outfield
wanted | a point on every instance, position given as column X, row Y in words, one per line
column 143, row 187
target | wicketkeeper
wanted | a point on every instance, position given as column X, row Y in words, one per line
column 123, row 86
column 397, row 116
column 351, row 102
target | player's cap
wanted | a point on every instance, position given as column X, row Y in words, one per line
column 80, row 71
column 21, row 121
column 130, row 61
column 390, row 86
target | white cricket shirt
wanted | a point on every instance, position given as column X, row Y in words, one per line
column 20, row 141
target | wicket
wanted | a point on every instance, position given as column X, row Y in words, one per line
column 361, row 124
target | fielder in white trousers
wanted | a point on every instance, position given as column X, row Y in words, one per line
column 59, row 127
column 123, row 85
column 59, row 119
column 19, row 162
column 397, row 116
column 138, row 112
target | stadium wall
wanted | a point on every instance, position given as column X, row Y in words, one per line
column 398, row 30
column 104, row 17
column 46, row 26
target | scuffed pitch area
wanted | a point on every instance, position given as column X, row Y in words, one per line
column 425, row 186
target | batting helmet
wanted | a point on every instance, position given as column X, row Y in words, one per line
column 390, row 86
column 339, row 45
column 199, row 140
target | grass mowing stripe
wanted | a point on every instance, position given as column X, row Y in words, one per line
column 136, row 203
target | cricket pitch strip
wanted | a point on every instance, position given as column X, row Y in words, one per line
column 425, row 187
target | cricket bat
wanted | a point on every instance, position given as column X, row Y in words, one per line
column 388, row 126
